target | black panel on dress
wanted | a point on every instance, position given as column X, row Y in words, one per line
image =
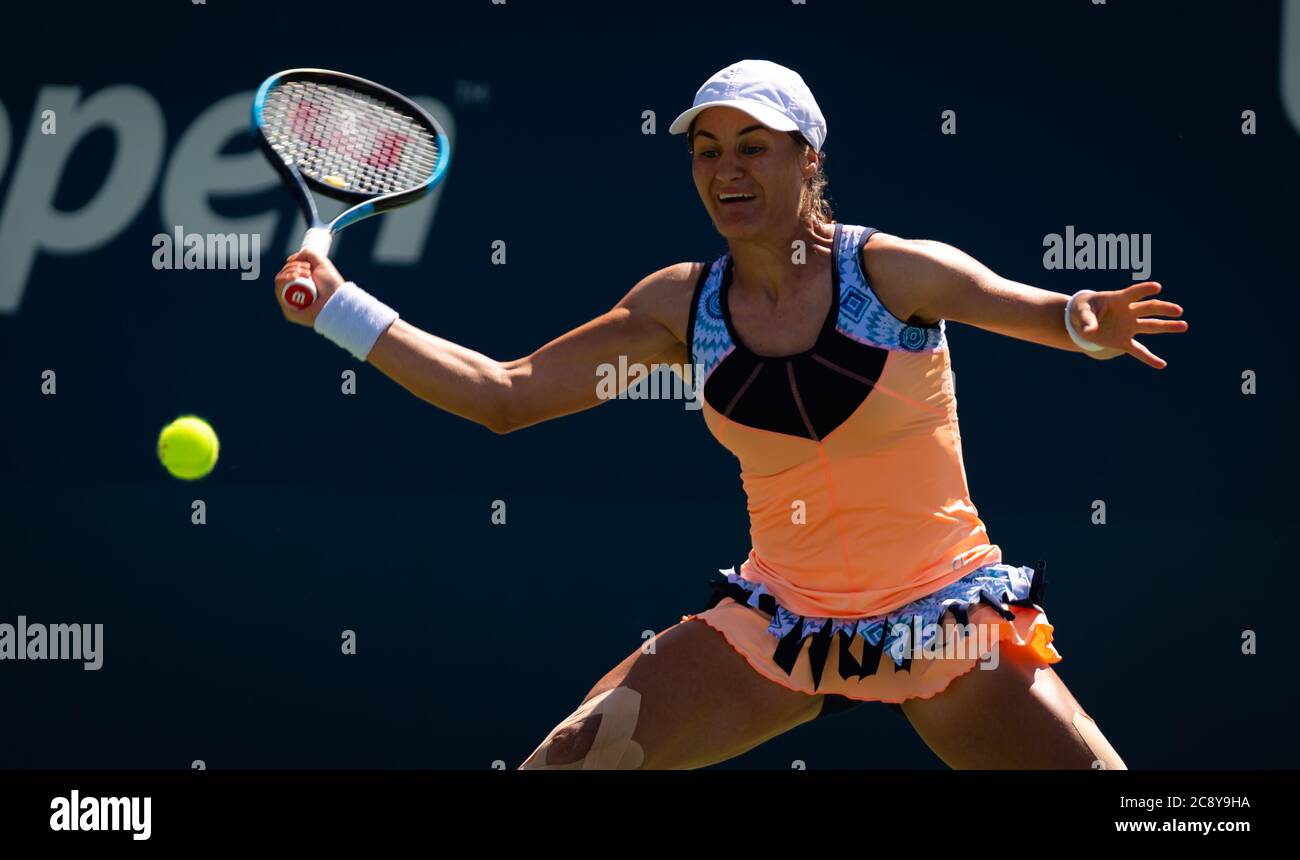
column 828, row 394
column 807, row 394
column 765, row 403
column 835, row 378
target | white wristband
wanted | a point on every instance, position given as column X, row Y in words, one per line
column 354, row 319
column 1074, row 335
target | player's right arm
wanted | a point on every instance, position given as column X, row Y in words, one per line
column 647, row 326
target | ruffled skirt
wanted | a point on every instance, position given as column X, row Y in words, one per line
column 913, row 651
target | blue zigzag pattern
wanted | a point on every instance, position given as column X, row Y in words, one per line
column 863, row 317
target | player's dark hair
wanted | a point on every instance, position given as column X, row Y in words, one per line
column 814, row 207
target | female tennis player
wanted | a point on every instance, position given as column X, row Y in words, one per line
column 822, row 364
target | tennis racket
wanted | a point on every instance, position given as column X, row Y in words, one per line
column 349, row 139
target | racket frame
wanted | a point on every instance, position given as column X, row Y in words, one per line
column 319, row 235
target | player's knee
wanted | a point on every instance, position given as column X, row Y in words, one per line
column 597, row 736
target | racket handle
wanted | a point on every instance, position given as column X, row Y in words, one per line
column 318, row 239
column 301, row 292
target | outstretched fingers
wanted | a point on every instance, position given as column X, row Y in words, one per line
column 1156, row 308
column 1137, row 292
column 1141, row 353
column 1152, row 326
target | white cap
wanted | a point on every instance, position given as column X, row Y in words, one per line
column 770, row 93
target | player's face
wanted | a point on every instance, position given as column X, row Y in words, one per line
column 732, row 153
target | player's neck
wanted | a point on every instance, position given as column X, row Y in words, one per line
column 779, row 267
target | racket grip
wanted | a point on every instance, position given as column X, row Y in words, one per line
column 301, row 292
column 318, row 239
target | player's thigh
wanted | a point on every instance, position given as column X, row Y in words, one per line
column 694, row 700
column 1019, row 715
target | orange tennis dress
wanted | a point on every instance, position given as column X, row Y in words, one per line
column 871, row 575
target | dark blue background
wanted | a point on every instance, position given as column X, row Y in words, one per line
column 222, row 641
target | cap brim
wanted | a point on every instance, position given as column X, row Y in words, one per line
column 770, row 117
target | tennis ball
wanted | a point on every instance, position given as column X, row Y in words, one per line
column 188, row 447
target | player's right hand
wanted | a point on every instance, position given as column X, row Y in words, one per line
column 307, row 264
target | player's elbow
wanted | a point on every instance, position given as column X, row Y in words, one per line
column 504, row 415
column 512, row 415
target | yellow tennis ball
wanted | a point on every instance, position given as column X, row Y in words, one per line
column 188, row 447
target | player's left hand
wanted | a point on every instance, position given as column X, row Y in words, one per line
column 1113, row 318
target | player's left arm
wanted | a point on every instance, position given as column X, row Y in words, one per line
column 938, row 281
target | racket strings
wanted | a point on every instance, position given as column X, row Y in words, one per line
column 347, row 139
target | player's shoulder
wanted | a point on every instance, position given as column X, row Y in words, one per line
column 667, row 286
column 676, row 277
column 906, row 273
column 666, row 294
column 887, row 246
column 885, row 255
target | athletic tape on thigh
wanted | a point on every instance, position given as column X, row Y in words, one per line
column 1101, row 749
column 613, row 747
